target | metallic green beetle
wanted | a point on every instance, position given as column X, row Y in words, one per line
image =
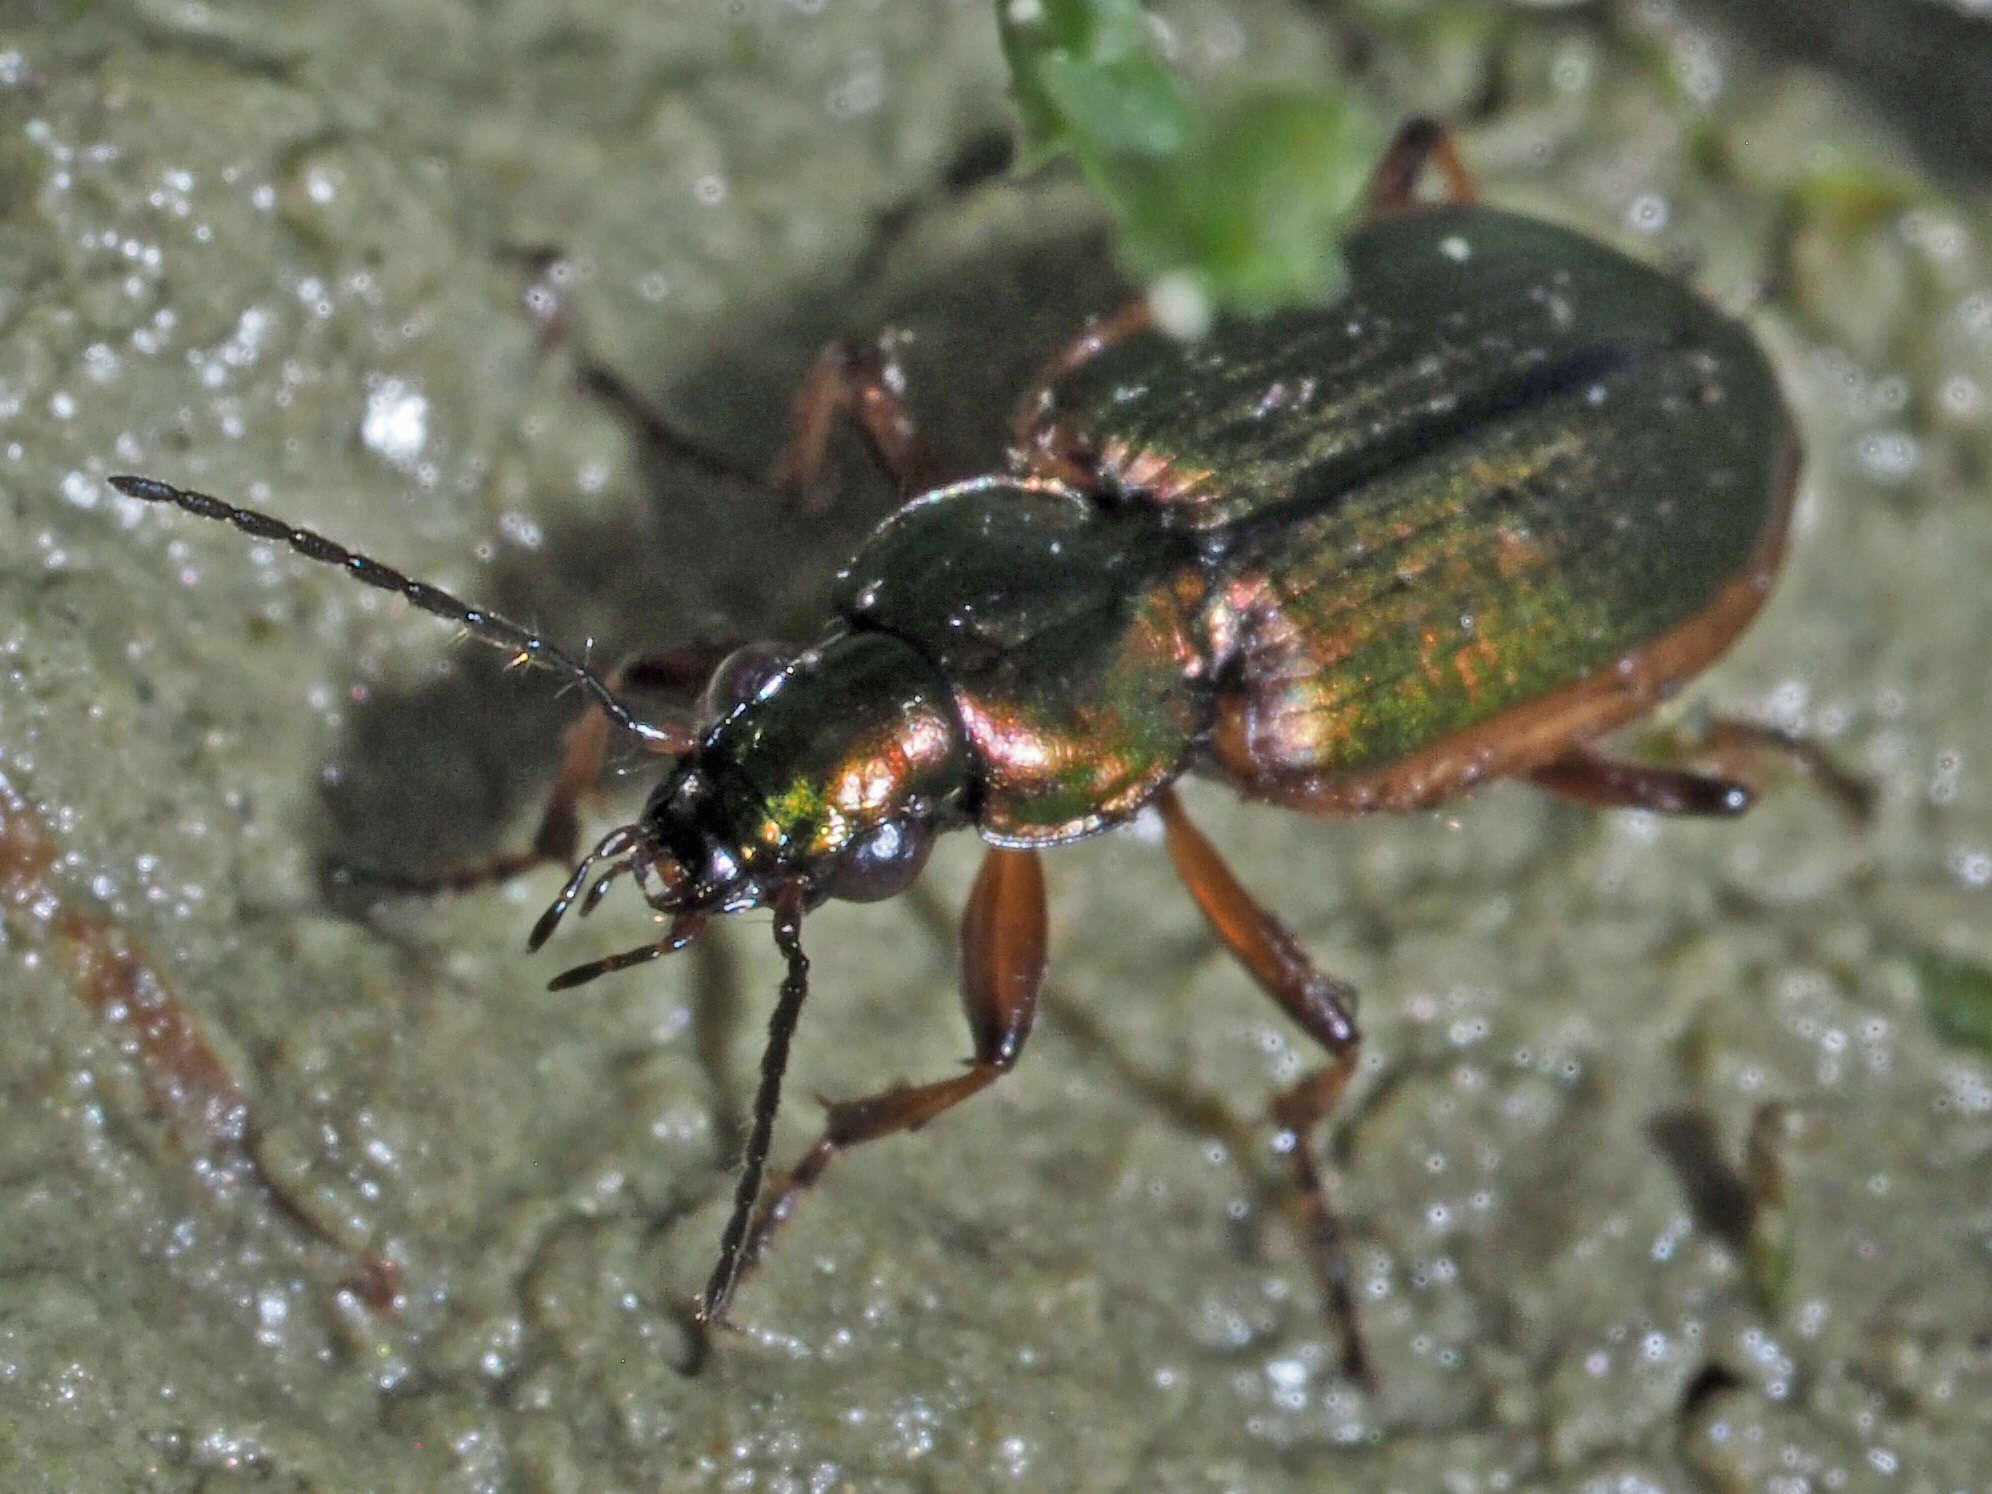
column 1499, row 499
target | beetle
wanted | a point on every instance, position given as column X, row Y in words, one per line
column 1504, row 495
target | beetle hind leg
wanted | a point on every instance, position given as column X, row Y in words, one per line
column 1751, row 749
column 1003, row 961
column 1420, row 143
column 1740, row 751
column 1599, row 782
column 1325, row 1009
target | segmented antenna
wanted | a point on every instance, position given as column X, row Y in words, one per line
column 733, row 1261
column 486, row 627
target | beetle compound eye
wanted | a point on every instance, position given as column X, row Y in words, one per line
column 739, row 678
column 881, row 863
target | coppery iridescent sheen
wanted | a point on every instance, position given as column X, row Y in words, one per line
column 849, row 735
column 1069, row 634
column 1507, row 461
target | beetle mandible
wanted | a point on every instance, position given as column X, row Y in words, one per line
column 1499, row 499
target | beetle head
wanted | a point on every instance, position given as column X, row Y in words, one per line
column 824, row 776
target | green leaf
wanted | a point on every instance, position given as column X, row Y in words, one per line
column 1257, row 208
column 1130, row 106
column 1248, row 206
column 1957, row 995
column 1041, row 36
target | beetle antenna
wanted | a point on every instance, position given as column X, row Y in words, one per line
column 483, row 625
column 732, row 1263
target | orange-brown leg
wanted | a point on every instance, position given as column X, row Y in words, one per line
column 1038, row 443
column 1746, row 746
column 1420, row 143
column 1325, row 1009
column 1740, row 750
column 550, row 276
column 1598, row 782
column 1003, row 960
column 865, row 385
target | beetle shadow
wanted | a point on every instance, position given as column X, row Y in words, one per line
column 1717, row 1195
column 440, row 776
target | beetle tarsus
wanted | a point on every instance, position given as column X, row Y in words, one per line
column 1750, row 744
column 1301, row 1110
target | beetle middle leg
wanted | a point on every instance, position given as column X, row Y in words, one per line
column 1325, row 1009
column 1003, row 963
column 866, row 385
column 1039, row 444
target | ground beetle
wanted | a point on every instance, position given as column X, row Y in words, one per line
column 1500, row 498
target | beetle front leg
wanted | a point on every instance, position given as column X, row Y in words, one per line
column 601, row 382
column 843, row 380
column 1325, row 1009
column 864, row 384
column 584, row 746
column 1002, row 968
column 550, row 274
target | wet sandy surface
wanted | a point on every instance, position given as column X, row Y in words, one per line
column 286, row 254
